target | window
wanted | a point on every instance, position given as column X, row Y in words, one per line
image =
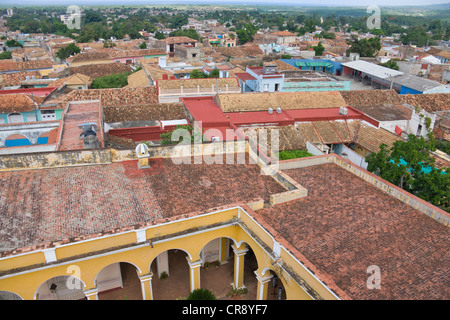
column 266, row 87
column 277, row 86
column 48, row 115
column 15, row 118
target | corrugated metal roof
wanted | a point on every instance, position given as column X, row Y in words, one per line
column 372, row 69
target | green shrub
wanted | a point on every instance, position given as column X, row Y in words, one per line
column 293, row 154
column 201, row 294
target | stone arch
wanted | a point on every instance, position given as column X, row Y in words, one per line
column 8, row 295
column 170, row 269
column 114, row 281
column 62, row 287
column 276, row 282
column 15, row 140
column 218, row 251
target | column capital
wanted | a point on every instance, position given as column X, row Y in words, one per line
column 239, row 251
column 194, row 264
column 91, row 294
column 146, row 277
column 263, row 279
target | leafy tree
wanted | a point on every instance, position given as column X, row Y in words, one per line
column 415, row 35
column 191, row 33
column 390, row 64
column 5, row 55
column 410, row 166
column 365, row 47
column 286, row 56
column 13, row 43
column 319, row 49
column 195, row 74
column 159, row 35
column 215, row 73
column 166, row 138
column 143, row 45
column 111, row 81
column 67, row 51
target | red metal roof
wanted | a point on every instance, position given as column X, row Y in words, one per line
column 244, row 76
column 41, row 92
column 259, row 117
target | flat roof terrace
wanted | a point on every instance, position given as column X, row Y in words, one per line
column 345, row 225
column 41, row 206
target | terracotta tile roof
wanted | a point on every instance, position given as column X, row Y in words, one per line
column 178, row 40
column 100, row 70
column 113, row 54
column 94, row 199
column 240, row 51
column 77, row 79
column 14, row 79
column 155, row 72
column 345, row 225
column 154, row 111
column 18, row 102
column 283, row 66
column 289, row 137
column 113, row 97
column 429, row 102
column 25, row 65
column 356, row 98
column 309, row 132
column 386, row 112
column 284, row 34
column 371, row 138
column 284, row 100
column 138, row 79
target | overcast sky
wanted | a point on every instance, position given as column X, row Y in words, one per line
column 249, row 2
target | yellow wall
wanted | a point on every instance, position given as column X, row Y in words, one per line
column 91, row 256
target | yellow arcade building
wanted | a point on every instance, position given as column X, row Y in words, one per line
column 316, row 225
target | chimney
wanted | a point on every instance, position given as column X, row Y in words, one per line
column 165, row 76
column 278, row 110
column 270, row 110
column 143, row 156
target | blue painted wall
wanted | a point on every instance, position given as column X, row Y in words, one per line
column 337, row 66
column 406, row 90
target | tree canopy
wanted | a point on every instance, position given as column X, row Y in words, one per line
column 365, row 47
column 409, row 165
column 67, row 51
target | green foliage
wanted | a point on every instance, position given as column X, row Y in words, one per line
column 201, row 294
column 67, row 51
column 195, row 74
column 191, row 33
column 415, row 35
column 328, row 35
column 403, row 166
column 286, row 56
column 5, row 55
column 390, row 64
column 319, row 49
column 159, row 35
column 365, row 47
column 246, row 33
column 293, row 154
column 13, row 43
column 443, row 145
column 194, row 135
column 111, row 81
column 143, row 45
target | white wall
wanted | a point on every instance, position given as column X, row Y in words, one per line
column 353, row 157
column 109, row 278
